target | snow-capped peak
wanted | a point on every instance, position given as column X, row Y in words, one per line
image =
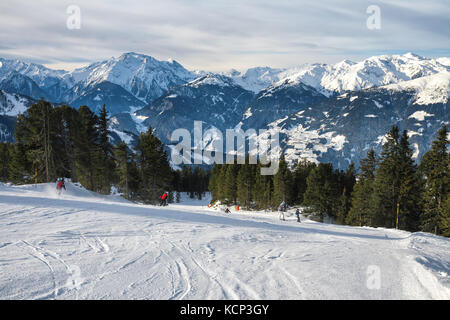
column 429, row 90
column 212, row 79
column 255, row 79
column 144, row 76
column 371, row 72
column 43, row 76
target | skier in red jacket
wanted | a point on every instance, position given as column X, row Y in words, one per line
column 60, row 185
column 163, row 199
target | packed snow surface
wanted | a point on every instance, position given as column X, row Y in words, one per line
column 84, row 246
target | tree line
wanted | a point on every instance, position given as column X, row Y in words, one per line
column 64, row 142
column 390, row 190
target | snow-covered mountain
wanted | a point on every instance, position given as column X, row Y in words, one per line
column 255, row 79
column 277, row 101
column 345, row 75
column 326, row 112
column 372, row 72
column 342, row 129
column 44, row 77
column 18, row 83
column 11, row 104
column 216, row 100
column 428, row 90
column 143, row 76
column 115, row 97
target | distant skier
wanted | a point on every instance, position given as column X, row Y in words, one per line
column 60, row 185
column 281, row 210
column 163, row 199
column 227, row 210
column 297, row 213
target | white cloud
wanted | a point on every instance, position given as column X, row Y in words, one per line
column 218, row 35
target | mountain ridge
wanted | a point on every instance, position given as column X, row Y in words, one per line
column 141, row 91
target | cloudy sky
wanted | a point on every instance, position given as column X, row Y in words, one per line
column 217, row 35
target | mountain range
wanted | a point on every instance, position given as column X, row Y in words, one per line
column 331, row 113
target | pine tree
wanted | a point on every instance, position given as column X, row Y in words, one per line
column 188, row 181
column 435, row 167
column 443, row 221
column 349, row 179
column 322, row 191
column 397, row 187
column 282, row 184
column 105, row 165
column 38, row 138
column 411, row 188
column 198, row 182
column 19, row 168
column 346, row 182
column 230, row 184
column 123, row 159
column 245, row 184
column 268, row 194
column 87, row 150
column 214, row 182
column 67, row 127
column 300, row 173
column 344, row 207
column 387, row 182
column 221, row 183
column 259, row 189
column 154, row 167
column 4, row 161
column 361, row 211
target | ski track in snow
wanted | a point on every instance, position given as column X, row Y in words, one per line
column 187, row 251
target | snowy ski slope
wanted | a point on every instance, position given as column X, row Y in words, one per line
column 84, row 246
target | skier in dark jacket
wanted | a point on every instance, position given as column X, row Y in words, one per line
column 163, row 199
column 297, row 213
column 281, row 210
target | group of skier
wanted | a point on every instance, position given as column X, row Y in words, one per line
column 164, row 201
column 282, row 209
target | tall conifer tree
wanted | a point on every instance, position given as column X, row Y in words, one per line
column 435, row 167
